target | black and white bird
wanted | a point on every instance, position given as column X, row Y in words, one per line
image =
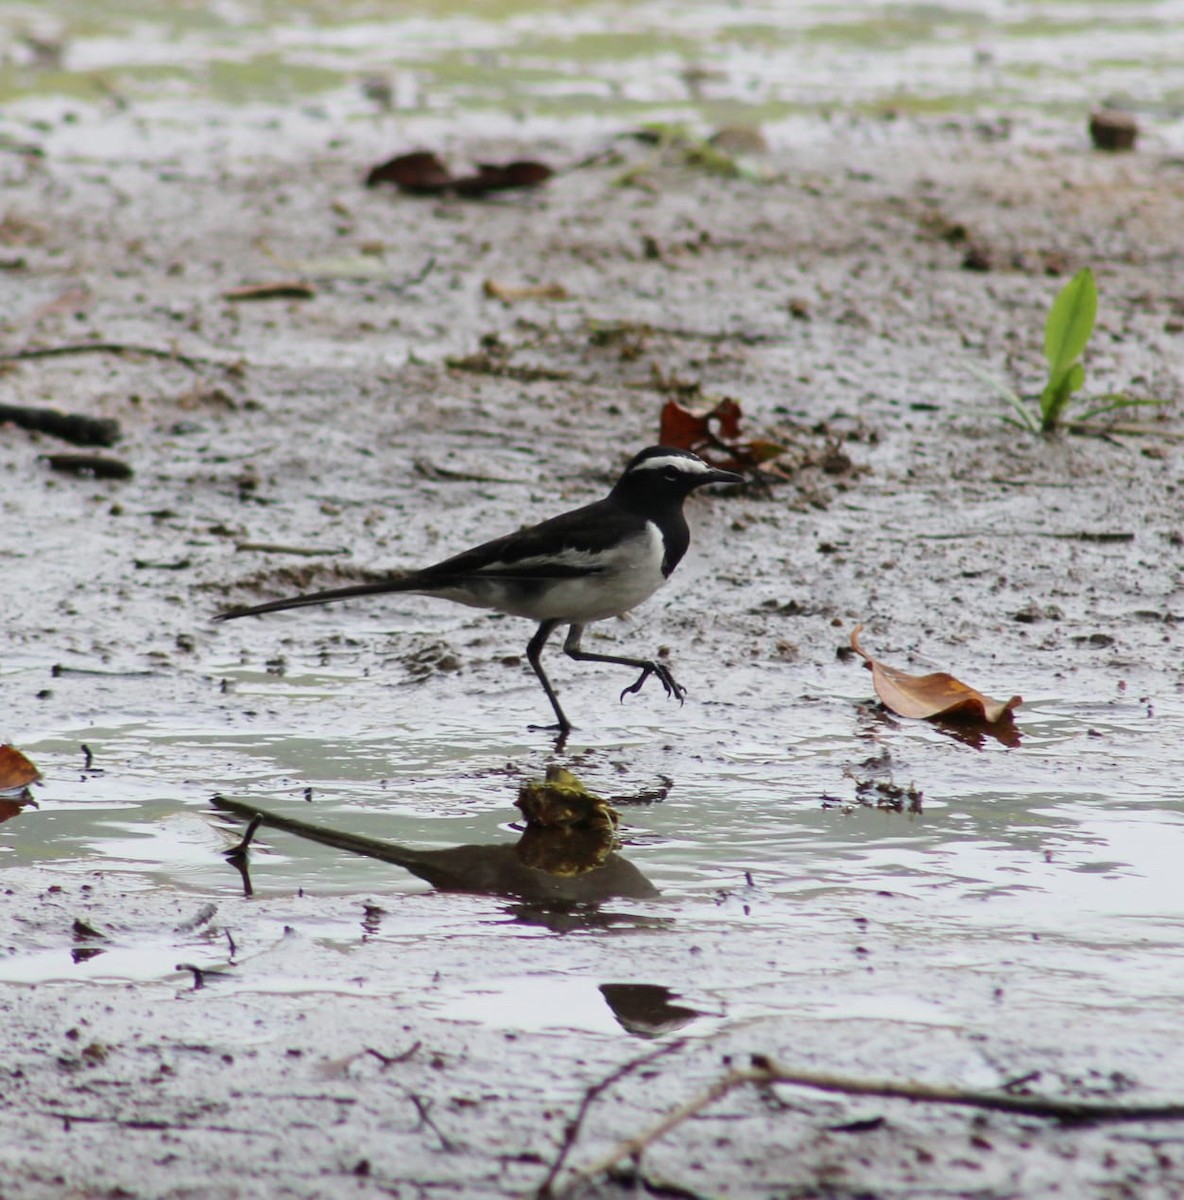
column 587, row 565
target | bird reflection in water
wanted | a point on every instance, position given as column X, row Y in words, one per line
column 565, row 864
column 647, row 1010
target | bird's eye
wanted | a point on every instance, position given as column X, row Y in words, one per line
column 671, row 474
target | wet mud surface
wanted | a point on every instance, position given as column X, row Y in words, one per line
column 358, row 1033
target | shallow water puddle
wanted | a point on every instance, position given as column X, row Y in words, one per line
column 1066, row 849
column 533, row 1004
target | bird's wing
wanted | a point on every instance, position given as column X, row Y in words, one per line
column 563, row 547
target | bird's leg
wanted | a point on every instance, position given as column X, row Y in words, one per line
column 533, row 650
column 647, row 667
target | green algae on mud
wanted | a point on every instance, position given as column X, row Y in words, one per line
column 584, row 59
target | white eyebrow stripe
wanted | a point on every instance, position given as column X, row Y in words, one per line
column 690, row 466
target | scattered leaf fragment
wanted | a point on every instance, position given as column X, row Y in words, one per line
column 714, row 434
column 422, row 173
column 739, row 139
column 936, row 695
column 537, row 291
column 500, row 177
column 282, row 289
column 1113, row 129
column 75, row 299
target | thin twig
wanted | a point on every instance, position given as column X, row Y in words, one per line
column 303, row 551
column 423, row 1107
column 77, row 428
column 389, row 1060
column 150, row 1124
column 193, row 362
column 572, row 1132
column 411, row 280
column 632, row 1147
column 1081, row 535
column 765, row 1071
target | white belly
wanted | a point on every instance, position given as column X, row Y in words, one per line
column 628, row 575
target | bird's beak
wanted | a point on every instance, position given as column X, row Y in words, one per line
column 715, row 475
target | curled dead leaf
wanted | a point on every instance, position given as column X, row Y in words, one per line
column 714, row 434
column 935, row 695
column 16, row 773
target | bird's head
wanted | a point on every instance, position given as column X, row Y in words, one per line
column 662, row 475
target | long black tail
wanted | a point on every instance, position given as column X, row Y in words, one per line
column 405, row 584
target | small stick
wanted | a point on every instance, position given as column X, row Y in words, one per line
column 276, row 548
column 765, row 1071
column 572, row 1131
column 144, row 564
column 419, row 276
column 193, row 362
column 90, row 464
column 635, row 1145
column 389, row 1060
column 70, row 427
column 240, row 851
column 423, row 1107
column 199, row 976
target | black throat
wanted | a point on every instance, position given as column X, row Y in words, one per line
column 665, row 512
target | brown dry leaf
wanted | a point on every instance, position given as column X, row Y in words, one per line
column 714, row 434
column 936, row 695
column 283, row 289
column 536, row 291
column 16, row 771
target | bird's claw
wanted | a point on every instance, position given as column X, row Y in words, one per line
column 665, row 678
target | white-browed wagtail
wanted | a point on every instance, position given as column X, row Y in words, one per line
column 587, row 565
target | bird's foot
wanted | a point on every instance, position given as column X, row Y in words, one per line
column 665, row 678
column 561, row 733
